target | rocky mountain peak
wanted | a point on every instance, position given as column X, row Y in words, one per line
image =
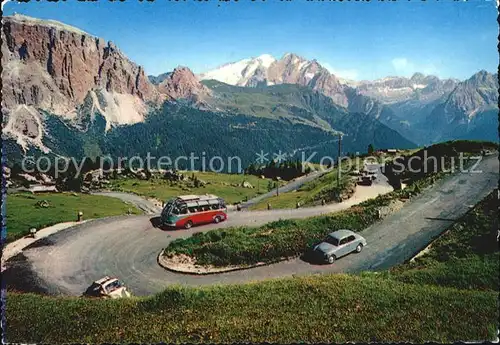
column 417, row 77
column 289, row 69
column 291, row 58
column 66, row 72
column 472, row 96
column 159, row 78
column 483, row 78
column 424, row 88
column 181, row 83
column 27, row 20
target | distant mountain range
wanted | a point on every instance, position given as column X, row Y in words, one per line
column 418, row 107
column 68, row 93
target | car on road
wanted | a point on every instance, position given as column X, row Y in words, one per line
column 107, row 287
column 338, row 243
column 365, row 181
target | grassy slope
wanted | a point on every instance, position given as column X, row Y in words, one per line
column 23, row 213
column 278, row 102
column 270, row 242
column 393, row 307
column 283, row 200
column 313, row 309
column 308, row 194
column 162, row 190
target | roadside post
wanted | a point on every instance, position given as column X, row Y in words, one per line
column 338, row 161
column 33, row 232
column 80, row 216
column 268, row 206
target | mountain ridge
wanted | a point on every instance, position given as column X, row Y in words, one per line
column 91, row 85
column 402, row 103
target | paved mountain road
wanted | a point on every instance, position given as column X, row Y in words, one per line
column 127, row 246
column 149, row 207
column 290, row 186
column 145, row 205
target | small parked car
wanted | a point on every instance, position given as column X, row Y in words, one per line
column 365, row 181
column 107, row 287
column 337, row 244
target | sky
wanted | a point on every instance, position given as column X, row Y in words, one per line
column 354, row 40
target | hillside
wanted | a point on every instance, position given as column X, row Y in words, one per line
column 177, row 130
column 469, row 112
column 103, row 103
column 437, row 296
column 423, row 108
column 69, row 93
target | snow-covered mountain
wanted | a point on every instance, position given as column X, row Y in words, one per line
column 426, row 88
column 404, row 104
column 293, row 69
column 245, row 72
column 290, row 69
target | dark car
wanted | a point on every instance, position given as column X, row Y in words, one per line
column 365, row 181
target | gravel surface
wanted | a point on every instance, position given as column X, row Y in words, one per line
column 127, row 246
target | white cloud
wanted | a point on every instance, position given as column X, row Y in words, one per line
column 403, row 66
column 430, row 69
column 345, row 74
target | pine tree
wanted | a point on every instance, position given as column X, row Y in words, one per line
column 370, row 149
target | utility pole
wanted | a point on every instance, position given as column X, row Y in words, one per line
column 338, row 160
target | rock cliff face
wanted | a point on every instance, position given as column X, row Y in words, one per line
column 476, row 94
column 183, row 84
column 293, row 69
column 54, row 67
column 470, row 111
